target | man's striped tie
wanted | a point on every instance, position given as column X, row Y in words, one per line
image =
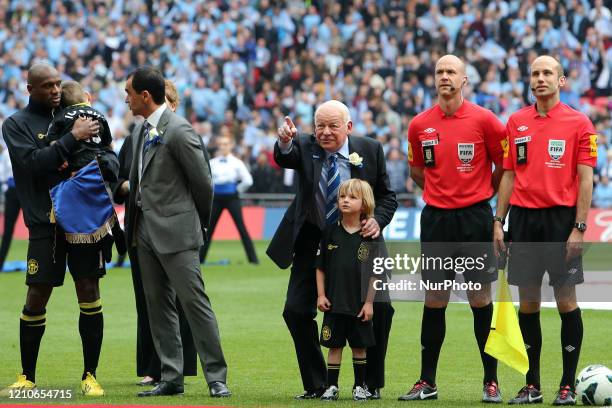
column 145, row 143
column 333, row 184
column 146, row 138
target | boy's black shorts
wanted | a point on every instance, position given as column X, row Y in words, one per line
column 47, row 258
column 338, row 328
column 461, row 234
column 539, row 237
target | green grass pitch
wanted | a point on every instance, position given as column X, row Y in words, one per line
column 248, row 301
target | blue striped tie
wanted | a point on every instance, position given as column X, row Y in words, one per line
column 145, row 143
column 333, row 184
column 146, row 136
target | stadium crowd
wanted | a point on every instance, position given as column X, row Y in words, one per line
column 241, row 65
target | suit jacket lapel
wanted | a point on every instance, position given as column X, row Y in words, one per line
column 137, row 140
column 318, row 155
column 356, row 172
column 161, row 129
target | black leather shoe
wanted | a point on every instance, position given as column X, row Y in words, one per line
column 218, row 389
column 316, row 394
column 163, row 388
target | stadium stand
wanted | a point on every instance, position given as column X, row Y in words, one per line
column 240, row 66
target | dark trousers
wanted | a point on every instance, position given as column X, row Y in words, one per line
column 232, row 203
column 147, row 360
column 301, row 309
column 375, row 366
column 300, row 312
column 11, row 212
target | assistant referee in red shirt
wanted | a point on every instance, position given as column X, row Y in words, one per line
column 452, row 149
column 548, row 181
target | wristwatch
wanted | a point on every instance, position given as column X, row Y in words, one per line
column 500, row 219
column 580, row 226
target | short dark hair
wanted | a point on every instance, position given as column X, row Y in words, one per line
column 146, row 78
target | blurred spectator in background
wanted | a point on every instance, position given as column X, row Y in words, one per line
column 263, row 60
column 397, row 169
column 230, row 178
column 602, row 195
column 11, row 203
column 265, row 178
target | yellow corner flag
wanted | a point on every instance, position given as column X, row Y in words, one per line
column 505, row 341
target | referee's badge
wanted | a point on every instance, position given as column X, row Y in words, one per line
column 465, row 152
column 521, row 153
column 428, row 152
column 556, row 149
column 326, row 333
column 363, row 252
column 521, row 149
column 32, row 266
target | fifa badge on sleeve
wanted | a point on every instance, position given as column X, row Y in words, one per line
column 428, row 152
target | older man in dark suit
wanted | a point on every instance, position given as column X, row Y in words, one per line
column 318, row 160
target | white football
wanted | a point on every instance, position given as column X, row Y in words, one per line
column 594, row 385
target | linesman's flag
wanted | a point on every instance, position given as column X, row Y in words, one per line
column 83, row 207
column 505, row 341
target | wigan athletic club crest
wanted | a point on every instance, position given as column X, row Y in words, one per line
column 466, row 152
column 326, row 333
column 363, row 252
column 556, row 148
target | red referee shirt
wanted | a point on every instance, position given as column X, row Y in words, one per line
column 457, row 153
column 544, row 152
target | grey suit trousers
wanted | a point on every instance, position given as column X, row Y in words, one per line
column 165, row 276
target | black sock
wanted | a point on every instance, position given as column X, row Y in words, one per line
column 333, row 372
column 91, row 328
column 532, row 336
column 31, row 330
column 571, row 342
column 482, row 326
column 359, row 369
column 433, row 329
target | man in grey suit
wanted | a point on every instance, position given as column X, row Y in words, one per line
column 171, row 201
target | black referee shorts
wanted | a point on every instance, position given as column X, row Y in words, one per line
column 538, row 238
column 339, row 328
column 47, row 256
column 459, row 234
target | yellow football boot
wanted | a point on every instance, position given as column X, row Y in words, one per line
column 22, row 383
column 90, row 387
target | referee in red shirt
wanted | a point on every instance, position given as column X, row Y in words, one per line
column 548, row 181
column 452, row 149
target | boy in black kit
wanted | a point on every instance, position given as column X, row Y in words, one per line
column 75, row 103
column 342, row 257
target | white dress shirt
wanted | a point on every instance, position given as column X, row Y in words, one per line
column 230, row 170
